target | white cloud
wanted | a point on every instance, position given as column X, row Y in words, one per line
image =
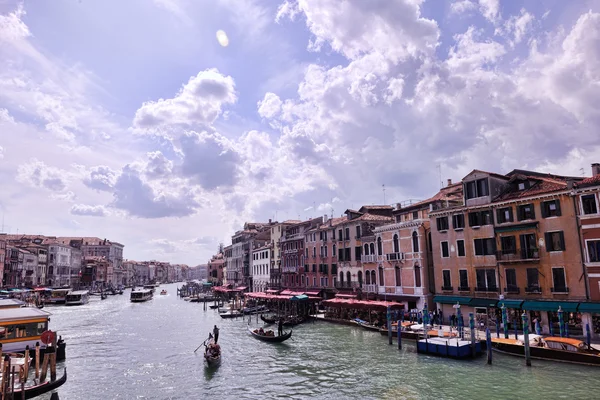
column 100, row 178
column 519, row 26
column 198, row 103
column 158, row 165
column 490, row 9
column 167, row 246
column 39, row 175
column 5, row 116
column 462, row 6
column 269, row 106
column 87, row 210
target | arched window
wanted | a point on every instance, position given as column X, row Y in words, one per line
column 360, row 278
column 415, row 242
column 341, row 278
column 368, row 277
column 417, row 275
column 396, row 244
column 366, row 249
column 334, row 251
column 348, row 278
column 372, row 248
column 373, row 278
column 381, row 282
column 398, row 274
column 429, row 242
column 379, row 247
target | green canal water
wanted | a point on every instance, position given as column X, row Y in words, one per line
column 120, row 350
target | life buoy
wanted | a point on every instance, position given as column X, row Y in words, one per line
column 48, row 337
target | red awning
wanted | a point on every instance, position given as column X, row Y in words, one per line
column 313, row 293
column 345, row 296
column 353, row 303
column 239, row 289
column 272, row 291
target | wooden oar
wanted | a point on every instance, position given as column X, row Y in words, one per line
column 203, row 343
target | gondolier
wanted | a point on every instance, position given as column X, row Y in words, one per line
column 216, row 333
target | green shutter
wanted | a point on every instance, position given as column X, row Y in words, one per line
column 558, row 207
column 562, row 240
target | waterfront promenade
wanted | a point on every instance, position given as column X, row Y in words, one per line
column 117, row 349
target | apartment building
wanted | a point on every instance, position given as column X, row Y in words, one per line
column 320, row 255
column 277, row 230
column 293, row 254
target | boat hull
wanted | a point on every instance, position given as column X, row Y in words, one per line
column 231, row 315
column 271, row 339
column 212, row 361
column 543, row 353
column 37, row 390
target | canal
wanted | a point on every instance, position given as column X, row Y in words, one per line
column 120, row 350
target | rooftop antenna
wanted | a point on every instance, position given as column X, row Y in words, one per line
column 383, row 187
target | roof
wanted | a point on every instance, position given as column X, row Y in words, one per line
column 291, row 221
column 334, row 222
column 452, row 192
column 376, row 207
column 487, row 173
column 542, row 185
column 588, row 182
column 11, row 314
column 373, row 218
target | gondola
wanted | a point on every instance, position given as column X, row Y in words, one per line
column 272, row 339
column 268, row 320
column 37, row 390
column 213, row 307
column 212, row 361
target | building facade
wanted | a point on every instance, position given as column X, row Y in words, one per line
column 320, row 254
column 215, row 269
column 261, row 264
column 277, row 231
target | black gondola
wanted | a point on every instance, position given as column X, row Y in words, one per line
column 37, row 390
column 268, row 320
column 272, row 339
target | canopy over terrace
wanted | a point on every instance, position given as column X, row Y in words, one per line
column 296, row 296
column 361, row 304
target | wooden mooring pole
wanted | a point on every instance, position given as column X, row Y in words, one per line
column 488, row 344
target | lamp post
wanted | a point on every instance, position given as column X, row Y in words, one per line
column 459, row 321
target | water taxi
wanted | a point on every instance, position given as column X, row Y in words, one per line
column 140, row 295
column 58, row 296
column 11, row 303
column 150, row 287
column 77, row 298
column 21, row 327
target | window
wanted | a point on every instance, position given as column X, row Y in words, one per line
column 340, row 237
column 415, row 242
column 347, row 254
column 551, row 208
column 415, row 215
column 358, row 252
column 442, row 224
column 347, row 233
column 533, row 280
column 508, row 244
column 484, row 247
column 333, row 250
column 314, row 251
column 478, row 188
column 379, row 247
column 381, row 281
column 460, row 248
column 366, row 249
column 589, row 205
column 526, row 211
column 560, row 282
column 463, row 276
column 593, row 250
column 445, row 250
column 372, row 248
column 458, row 221
column 306, row 252
column 358, row 232
column 396, row 244
column 555, row 241
column 511, row 280
column 480, row 218
column 504, row 215
column 341, row 254
column 417, row 275
column 398, row 276
column 486, row 280
column 447, row 280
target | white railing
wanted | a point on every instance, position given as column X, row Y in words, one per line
column 390, row 290
column 369, row 258
column 395, row 256
column 290, row 269
column 370, row 288
column 380, row 258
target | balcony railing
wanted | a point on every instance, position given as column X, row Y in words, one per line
column 447, row 288
column 390, row 290
column 464, row 289
column 370, row 288
column 371, row 258
column 486, row 289
column 533, row 289
column 517, row 255
column 394, row 256
column 512, row 289
column 559, row 290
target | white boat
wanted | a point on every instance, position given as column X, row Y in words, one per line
column 163, row 292
column 21, row 327
column 77, row 298
column 140, row 295
column 58, row 296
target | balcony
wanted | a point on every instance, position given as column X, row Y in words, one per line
column 464, row 289
column 447, row 289
column 559, row 290
column 533, row 289
column 390, row 290
column 371, row 258
column 289, row 269
column 394, row 256
column 518, row 255
column 486, row 289
column 512, row 289
column 370, row 288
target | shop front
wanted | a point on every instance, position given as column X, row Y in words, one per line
column 590, row 314
column 546, row 313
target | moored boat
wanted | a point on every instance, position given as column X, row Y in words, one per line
column 58, row 296
column 366, row 325
column 140, row 295
column 269, row 319
column 269, row 336
column 39, row 389
column 163, row 292
column 231, row 314
column 77, row 298
column 550, row 348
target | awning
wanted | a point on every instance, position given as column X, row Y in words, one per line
column 483, row 302
column 452, row 300
column 207, row 283
column 313, row 293
column 345, row 296
column 272, row 291
column 300, row 297
column 239, row 289
column 513, row 228
column 589, row 307
column 516, row 304
column 534, row 305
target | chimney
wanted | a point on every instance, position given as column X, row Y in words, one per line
column 398, row 206
column 595, row 169
column 325, row 218
column 570, row 183
column 269, row 221
column 449, row 182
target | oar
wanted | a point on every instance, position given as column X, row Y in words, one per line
column 203, row 343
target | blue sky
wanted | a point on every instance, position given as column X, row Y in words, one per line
column 128, row 120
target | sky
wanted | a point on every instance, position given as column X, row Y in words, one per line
column 135, row 121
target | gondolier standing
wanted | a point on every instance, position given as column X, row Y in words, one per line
column 216, row 333
column 280, row 327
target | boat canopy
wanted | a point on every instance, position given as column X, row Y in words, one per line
column 15, row 314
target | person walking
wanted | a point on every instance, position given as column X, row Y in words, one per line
column 216, row 333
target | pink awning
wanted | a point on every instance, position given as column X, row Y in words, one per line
column 345, row 296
